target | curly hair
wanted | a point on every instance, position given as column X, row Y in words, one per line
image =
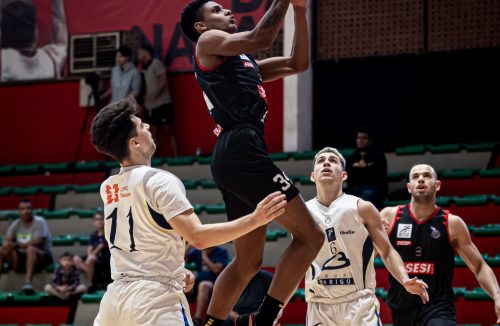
column 112, row 128
column 190, row 15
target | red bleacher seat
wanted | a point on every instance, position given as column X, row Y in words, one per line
column 472, row 186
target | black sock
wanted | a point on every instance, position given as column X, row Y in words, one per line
column 268, row 311
column 212, row 321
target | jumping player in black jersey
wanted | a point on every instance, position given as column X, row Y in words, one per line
column 426, row 237
column 232, row 83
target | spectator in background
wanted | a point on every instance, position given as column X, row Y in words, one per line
column 209, row 263
column 125, row 79
column 27, row 244
column 21, row 59
column 157, row 101
column 97, row 262
column 66, row 280
column 367, row 170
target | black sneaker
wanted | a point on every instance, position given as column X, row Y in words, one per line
column 28, row 289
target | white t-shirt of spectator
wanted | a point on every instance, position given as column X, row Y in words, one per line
column 138, row 203
column 47, row 62
column 38, row 228
column 154, row 97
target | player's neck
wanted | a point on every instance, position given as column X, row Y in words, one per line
column 135, row 159
column 328, row 195
column 422, row 210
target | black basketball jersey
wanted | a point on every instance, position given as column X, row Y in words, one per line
column 427, row 254
column 233, row 91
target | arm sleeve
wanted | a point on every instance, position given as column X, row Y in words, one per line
column 12, row 230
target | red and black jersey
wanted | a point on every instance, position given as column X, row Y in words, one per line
column 233, row 91
column 427, row 254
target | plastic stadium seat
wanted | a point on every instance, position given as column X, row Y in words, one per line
column 61, row 189
column 299, row 294
column 381, row 293
column 26, row 191
column 6, row 169
column 305, row 181
column 83, row 240
column 208, row 184
column 488, row 230
column 111, row 165
column 480, row 147
column 4, row 191
column 19, row 296
column 279, row 156
column 459, row 291
column 396, row 176
column 411, row 150
column 28, row 168
column 443, row 200
column 93, row 187
column 157, row 161
column 64, row 240
column 198, row 208
column 84, row 212
column 57, row 214
column 473, row 200
column 494, row 261
column 181, row 160
column 307, row 155
column 458, row 173
column 215, row 209
column 445, row 148
column 56, row 167
column 89, row 166
column 490, row 173
column 346, row 151
column 477, row 294
column 271, row 236
column 190, row 184
column 191, row 266
column 95, row 297
column 204, row 159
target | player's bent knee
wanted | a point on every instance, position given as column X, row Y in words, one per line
column 247, row 266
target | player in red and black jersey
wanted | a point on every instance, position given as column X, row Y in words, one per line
column 232, row 83
column 426, row 237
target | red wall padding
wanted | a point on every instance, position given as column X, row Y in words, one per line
column 34, row 315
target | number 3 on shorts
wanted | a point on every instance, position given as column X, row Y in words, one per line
column 283, row 180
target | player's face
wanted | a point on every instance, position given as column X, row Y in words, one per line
column 328, row 167
column 423, row 182
column 144, row 137
column 216, row 17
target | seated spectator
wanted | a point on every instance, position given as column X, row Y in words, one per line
column 66, row 280
column 252, row 296
column 96, row 264
column 27, row 245
column 367, row 170
column 209, row 264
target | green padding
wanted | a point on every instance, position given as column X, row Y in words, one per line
column 190, row 184
column 191, row 266
column 93, row 187
column 481, row 147
column 208, row 184
column 84, row 212
column 9, row 214
column 459, row 262
column 459, row 291
column 489, row 230
column 381, row 293
column 494, row 261
column 19, row 296
column 157, row 161
column 307, row 155
column 5, row 169
column 182, row 160
column 279, row 156
column 33, row 190
column 396, row 176
column 84, row 240
column 27, row 168
column 298, row 295
column 198, row 208
column 215, row 209
column 111, row 165
column 56, row 167
column 477, row 294
column 490, row 173
column 496, row 199
column 204, row 159
column 5, row 296
column 95, row 297
column 282, row 233
column 443, row 200
column 458, row 174
column 61, row 189
column 472, row 200
column 445, row 148
column 378, row 263
column 388, row 203
column 305, row 181
column 411, row 150
column 57, row 214
column 5, row 191
column 64, row 240
column 89, row 166
column 346, row 151
column 271, row 235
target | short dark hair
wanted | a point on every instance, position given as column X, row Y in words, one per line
column 25, row 200
column 125, row 51
column 66, row 254
column 148, row 48
column 190, row 15
column 368, row 131
column 112, row 128
column 18, row 25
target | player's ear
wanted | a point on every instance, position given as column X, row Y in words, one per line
column 438, row 185
column 200, row 27
column 133, row 143
column 312, row 177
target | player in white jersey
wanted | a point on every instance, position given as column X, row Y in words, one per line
column 148, row 218
column 340, row 284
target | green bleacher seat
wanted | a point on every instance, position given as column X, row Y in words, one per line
column 50, row 268
column 6, row 169
column 346, row 151
column 83, row 240
column 282, row 233
column 208, row 184
column 28, row 168
column 198, row 208
column 204, row 159
column 93, row 187
column 191, row 266
column 477, row 294
column 60, row 189
column 83, row 212
column 381, row 293
column 378, row 263
column 411, row 150
column 5, row 296
column 305, row 181
column 388, row 203
column 9, row 214
column 26, row 191
column 480, row 147
column 283, row 156
column 444, row 148
column 215, row 209
column 157, row 161
column 181, row 160
column 64, row 240
column 190, row 184
column 443, row 200
column 299, row 294
column 5, row 191
column 95, row 297
column 458, row 173
column 459, row 291
column 18, row 296
column 110, row 165
column 472, row 200
column 459, row 262
column 38, row 325
column 494, row 261
column 271, row 235
column 490, row 173
column 496, row 199
column 488, row 230
column 396, row 176
column 56, row 167
column 300, row 156
column 57, row 214
column 89, row 166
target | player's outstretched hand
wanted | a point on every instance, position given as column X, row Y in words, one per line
column 418, row 287
column 299, row 3
column 189, row 280
column 270, row 208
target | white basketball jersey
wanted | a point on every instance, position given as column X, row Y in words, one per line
column 138, row 203
column 343, row 269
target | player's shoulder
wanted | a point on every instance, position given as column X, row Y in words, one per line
column 389, row 212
